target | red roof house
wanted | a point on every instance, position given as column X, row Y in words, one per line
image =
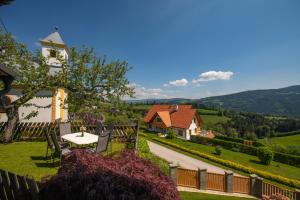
column 183, row 119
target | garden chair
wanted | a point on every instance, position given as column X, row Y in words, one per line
column 103, row 141
column 64, row 129
column 98, row 129
column 50, row 145
column 60, row 150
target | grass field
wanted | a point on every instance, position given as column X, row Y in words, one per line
column 284, row 141
column 207, row 111
column 200, row 196
column 28, row 159
column 210, row 120
column 244, row 159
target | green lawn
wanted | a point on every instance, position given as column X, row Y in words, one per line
column 207, row 111
column 211, row 120
column 28, row 158
column 200, row 196
column 244, row 159
column 284, row 141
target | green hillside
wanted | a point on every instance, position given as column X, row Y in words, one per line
column 284, row 141
column 284, row 101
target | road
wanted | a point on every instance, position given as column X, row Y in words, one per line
column 183, row 160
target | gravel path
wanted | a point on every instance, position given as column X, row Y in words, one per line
column 183, row 160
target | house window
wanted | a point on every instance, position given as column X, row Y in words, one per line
column 158, row 119
column 180, row 133
column 53, row 53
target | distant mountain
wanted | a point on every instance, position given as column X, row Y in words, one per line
column 169, row 101
column 283, row 101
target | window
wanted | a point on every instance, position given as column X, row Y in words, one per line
column 53, row 53
column 190, row 131
column 180, row 133
column 158, row 119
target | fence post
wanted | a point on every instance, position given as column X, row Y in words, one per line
column 229, row 181
column 173, row 172
column 137, row 136
column 253, row 179
column 256, row 186
column 297, row 191
column 202, row 173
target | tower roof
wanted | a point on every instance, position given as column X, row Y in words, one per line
column 54, row 38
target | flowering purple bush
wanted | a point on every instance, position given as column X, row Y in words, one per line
column 89, row 176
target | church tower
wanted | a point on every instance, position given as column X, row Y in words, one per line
column 53, row 47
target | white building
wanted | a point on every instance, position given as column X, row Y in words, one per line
column 183, row 119
column 50, row 104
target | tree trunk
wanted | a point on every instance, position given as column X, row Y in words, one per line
column 12, row 119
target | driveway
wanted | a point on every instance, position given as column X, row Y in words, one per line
column 183, row 160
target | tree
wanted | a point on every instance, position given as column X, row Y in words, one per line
column 265, row 155
column 33, row 76
column 94, row 84
column 90, row 81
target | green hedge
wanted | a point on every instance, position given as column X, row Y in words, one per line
column 233, row 165
column 287, row 159
column 238, row 140
column 286, row 134
column 226, row 144
column 251, row 150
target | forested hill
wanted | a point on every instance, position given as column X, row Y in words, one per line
column 283, row 101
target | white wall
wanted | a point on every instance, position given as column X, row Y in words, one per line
column 44, row 98
column 53, row 61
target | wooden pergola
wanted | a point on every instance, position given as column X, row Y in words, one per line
column 6, row 76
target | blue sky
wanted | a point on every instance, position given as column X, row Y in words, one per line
column 176, row 48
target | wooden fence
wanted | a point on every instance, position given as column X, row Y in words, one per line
column 269, row 189
column 215, row 181
column 37, row 130
column 241, row 184
column 227, row 182
column 15, row 187
column 187, row 178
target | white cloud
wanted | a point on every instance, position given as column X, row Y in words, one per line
column 213, row 75
column 148, row 93
column 180, row 82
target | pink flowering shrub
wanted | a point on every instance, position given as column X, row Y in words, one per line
column 275, row 197
column 89, row 176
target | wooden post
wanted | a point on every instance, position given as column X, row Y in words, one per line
column 229, row 181
column 173, row 172
column 137, row 136
column 202, row 174
column 297, row 191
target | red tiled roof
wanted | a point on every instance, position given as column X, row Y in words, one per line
column 181, row 118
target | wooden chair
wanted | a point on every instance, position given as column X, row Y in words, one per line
column 59, row 149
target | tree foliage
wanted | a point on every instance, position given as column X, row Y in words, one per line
column 91, row 82
column 265, row 155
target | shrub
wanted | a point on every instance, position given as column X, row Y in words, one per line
column 293, row 160
column 251, row 150
column 286, row 134
column 275, row 197
column 218, row 150
column 234, row 165
column 170, row 133
column 265, row 155
column 89, row 176
column 250, row 136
